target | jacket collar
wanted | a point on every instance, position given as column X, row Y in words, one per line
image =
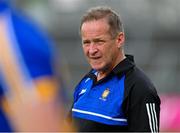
column 123, row 67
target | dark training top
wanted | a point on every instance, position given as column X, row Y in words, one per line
column 125, row 100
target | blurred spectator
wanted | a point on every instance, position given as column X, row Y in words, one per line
column 28, row 88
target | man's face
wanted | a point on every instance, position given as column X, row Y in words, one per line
column 101, row 51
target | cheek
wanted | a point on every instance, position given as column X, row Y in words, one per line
column 86, row 54
column 109, row 53
column 85, row 51
column 108, row 57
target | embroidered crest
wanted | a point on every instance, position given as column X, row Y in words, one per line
column 105, row 94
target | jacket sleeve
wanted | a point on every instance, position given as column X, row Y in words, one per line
column 143, row 109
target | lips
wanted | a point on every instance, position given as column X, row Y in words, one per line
column 94, row 58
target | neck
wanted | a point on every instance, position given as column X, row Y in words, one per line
column 102, row 74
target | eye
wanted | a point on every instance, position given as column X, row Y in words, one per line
column 99, row 41
column 86, row 42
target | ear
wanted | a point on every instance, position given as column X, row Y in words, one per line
column 120, row 39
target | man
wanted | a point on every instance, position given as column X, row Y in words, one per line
column 28, row 88
column 115, row 95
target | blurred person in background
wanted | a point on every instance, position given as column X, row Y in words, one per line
column 28, row 87
column 115, row 95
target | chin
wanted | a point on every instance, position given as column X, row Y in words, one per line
column 97, row 68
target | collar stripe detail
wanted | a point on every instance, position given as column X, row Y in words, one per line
column 152, row 117
column 99, row 115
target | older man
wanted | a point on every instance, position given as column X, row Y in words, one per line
column 115, row 95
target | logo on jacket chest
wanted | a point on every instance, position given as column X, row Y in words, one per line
column 105, row 94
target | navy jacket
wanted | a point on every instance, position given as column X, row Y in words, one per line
column 125, row 100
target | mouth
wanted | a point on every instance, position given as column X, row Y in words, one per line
column 94, row 57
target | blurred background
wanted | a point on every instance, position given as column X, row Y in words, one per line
column 152, row 36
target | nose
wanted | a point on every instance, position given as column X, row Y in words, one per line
column 92, row 49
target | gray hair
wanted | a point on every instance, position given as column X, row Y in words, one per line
column 102, row 12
